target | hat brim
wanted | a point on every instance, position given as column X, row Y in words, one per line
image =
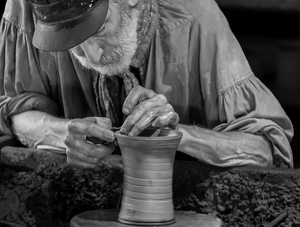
column 65, row 35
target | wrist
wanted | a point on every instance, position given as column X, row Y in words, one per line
column 55, row 133
column 35, row 128
column 185, row 137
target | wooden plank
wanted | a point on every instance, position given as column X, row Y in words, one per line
column 109, row 218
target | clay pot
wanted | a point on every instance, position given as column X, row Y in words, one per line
column 148, row 173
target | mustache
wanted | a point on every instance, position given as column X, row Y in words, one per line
column 112, row 57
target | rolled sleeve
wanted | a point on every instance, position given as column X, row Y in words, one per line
column 22, row 103
column 250, row 107
column 23, row 84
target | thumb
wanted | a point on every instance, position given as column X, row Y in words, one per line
column 101, row 121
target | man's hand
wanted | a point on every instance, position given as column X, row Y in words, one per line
column 80, row 151
column 146, row 108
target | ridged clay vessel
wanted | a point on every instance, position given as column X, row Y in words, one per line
column 148, row 172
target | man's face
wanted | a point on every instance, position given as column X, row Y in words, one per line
column 110, row 50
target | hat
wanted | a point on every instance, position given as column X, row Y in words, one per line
column 63, row 24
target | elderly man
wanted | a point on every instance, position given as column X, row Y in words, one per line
column 74, row 69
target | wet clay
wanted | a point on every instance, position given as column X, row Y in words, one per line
column 148, row 173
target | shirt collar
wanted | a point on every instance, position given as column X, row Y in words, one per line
column 166, row 16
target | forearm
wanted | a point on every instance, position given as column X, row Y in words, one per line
column 34, row 128
column 225, row 149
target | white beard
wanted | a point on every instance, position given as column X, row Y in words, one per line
column 119, row 60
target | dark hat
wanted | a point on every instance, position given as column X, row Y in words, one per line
column 63, row 24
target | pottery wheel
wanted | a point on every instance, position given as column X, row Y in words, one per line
column 109, row 218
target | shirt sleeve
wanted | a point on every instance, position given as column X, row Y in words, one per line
column 250, row 107
column 22, row 85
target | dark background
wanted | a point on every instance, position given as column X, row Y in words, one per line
column 2, row 4
column 270, row 38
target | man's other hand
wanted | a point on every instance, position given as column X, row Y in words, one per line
column 146, row 108
column 80, row 151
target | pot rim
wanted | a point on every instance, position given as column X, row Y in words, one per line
column 147, row 138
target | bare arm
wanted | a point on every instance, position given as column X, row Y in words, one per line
column 222, row 149
column 34, row 128
column 225, row 149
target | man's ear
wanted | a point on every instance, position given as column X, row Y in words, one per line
column 132, row 3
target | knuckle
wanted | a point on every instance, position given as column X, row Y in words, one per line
column 173, row 118
column 105, row 120
column 142, row 106
column 68, row 152
column 174, row 115
column 129, row 121
column 162, row 98
column 85, row 151
column 96, row 160
column 86, row 126
column 71, row 125
column 170, row 107
column 136, row 131
column 108, row 121
column 137, row 88
column 171, row 115
column 67, row 140
column 151, row 91
column 153, row 112
column 78, row 126
column 148, row 94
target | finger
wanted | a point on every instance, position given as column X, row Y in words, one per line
column 74, row 154
column 89, row 149
column 76, row 159
column 91, row 129
column 148, row 119
column 101, row 121
column 136, row 95
column 170, row 119
column 113, row 161
column 149, row 107
column 79, row 164
column 156, row 117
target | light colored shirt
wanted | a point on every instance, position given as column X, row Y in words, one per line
column 189, row 54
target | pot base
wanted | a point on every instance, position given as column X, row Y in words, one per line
column 145, row 223
column 109, row 217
